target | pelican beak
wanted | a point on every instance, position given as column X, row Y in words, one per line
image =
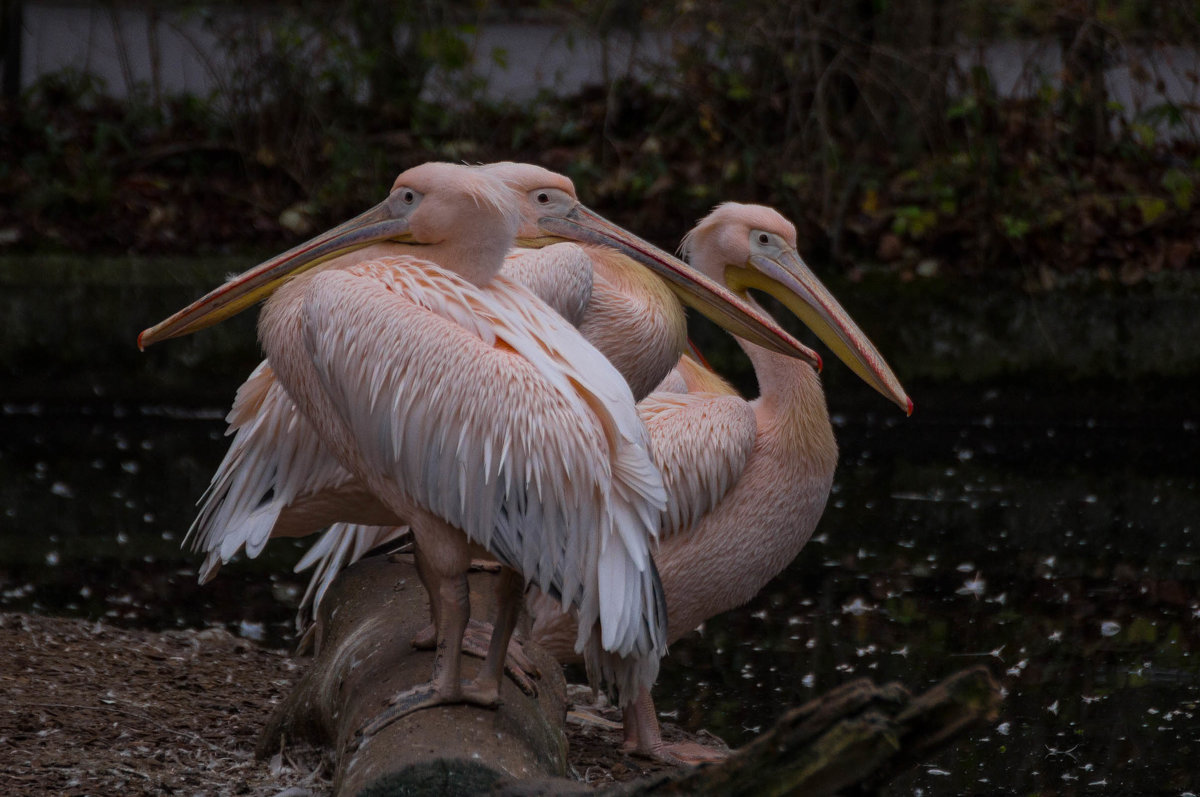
column 694, row 289
column 788, row 279
column 537, row 242
column 384, row 222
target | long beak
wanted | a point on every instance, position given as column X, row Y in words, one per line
column 790, row 281
column 694, row 289
column 380, row 223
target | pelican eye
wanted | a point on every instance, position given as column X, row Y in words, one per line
column 763, row 239
column 408, row 196
column 543, row 198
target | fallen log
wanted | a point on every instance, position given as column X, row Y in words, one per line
column 853, row 740
column 364, row 656
column 858, row 736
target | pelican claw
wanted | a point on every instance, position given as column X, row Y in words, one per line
column 426, row 696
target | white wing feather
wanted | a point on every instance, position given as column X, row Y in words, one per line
column 701, row 444
column 696, row 476
column 504, row 422
column 274, row 458
column 341, row 545
column 255, row 482
column 561, row 275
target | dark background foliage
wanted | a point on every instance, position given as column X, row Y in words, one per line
column 872, row 124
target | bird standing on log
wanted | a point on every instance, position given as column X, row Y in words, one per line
column 464, row 405
column 746, row 481
column 277, row 480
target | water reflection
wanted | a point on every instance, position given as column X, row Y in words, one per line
column 1057, row 551
column 1053, row 546
column 95, row 504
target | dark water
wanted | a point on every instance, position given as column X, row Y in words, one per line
column 1055, row 544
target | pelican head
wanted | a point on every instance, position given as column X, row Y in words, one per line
column 751, row 246
column 529, row 181
column 428, row 206
column 417, row 211
column 551, row 213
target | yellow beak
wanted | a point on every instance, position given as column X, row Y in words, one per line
column 380, row 223
column 693, row 288
column 790, row 280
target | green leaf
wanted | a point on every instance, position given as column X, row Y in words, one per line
column 1152, row 208
column 1181, row 187
column 1014, row 227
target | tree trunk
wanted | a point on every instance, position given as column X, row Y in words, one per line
column 1084, row 95
column 11, row 34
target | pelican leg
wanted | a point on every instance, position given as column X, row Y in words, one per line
column 643, row 736
column 510, row 589
column 426, row 638
column 637, row 727
column 446, row 685
column 444, row 573
column 455, row 611
column 477, row 638
column 476, row 641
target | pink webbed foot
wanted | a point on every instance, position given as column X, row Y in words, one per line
column 643, row 737
column 689, row 754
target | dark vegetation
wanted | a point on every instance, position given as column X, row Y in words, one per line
column 872, row 124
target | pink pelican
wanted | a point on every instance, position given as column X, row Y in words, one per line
column 746, row 481
column 463, row 404
column 277, row 479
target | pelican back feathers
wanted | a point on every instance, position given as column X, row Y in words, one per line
column 496, row 416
